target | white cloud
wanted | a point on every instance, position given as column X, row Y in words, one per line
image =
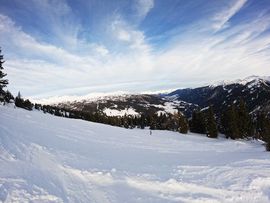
column 61, row 69
column 194, row 57
column 134, row 38
column 102, row 50
column 222, row 18
column 124, row 35
column 143, row 7
column 60, row 18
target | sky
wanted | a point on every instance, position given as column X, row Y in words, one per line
column 77, row 47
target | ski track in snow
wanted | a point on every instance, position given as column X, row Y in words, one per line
column 45, row 158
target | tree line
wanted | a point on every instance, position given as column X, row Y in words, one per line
column 235, row 122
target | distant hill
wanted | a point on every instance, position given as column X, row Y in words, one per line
column 254, row 90
column 131, row 105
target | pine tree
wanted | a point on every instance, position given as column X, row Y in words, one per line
column 153, row 121
column 266, row 131
column 211, row 125
column 263, row 129
column 142, row 121
column 3, row 82
column 183, row 124
column 26, row 104
column 230, row 123
column 8, row 96
column 19, row 100
column 197, row 123
column 267, row 146
column 244, row 121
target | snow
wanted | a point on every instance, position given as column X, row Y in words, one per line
column 164, row 91
column 45, row 158
column 89, row 97
column 95, row 96
column 116, row 112
column 168, row 107
column 254, row 79
column 205, row 108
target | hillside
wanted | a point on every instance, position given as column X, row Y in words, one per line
column 45, row 158
column 130, row 104
column 254, row 90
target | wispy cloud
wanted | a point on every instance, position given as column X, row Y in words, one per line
column 222, row 18
column 122, row 56
column 143, row 7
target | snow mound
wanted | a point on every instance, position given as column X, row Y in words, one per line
column 45, row 158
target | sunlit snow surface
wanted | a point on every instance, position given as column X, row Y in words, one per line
column 44, row 158
column 115, row 112
column 253, row 80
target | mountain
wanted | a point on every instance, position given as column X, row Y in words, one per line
column 254, row 90
column 45, row 158
column 130, row 104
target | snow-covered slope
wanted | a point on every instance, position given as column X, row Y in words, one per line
column 253, row 80
column 84, row 98
column 51, row 159
column 129, row 104
column 253, row 90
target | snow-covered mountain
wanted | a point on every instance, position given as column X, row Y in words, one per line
column 254, row 90
column 130, row 104
column 45, row 158
column 252, row 80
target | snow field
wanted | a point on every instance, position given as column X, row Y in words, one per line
column 45, row 158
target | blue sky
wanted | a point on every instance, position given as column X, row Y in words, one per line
column 77, row 47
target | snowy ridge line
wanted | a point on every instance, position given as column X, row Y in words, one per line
column 95, row 96
column 74, row 98
column 122, row 94
column 254, row 78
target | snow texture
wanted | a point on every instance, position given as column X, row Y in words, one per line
column 89, row 97
column 44, row 158
column 253, row 80
column 116, row 112
column 168, row 107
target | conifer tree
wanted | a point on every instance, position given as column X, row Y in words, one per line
column 183, row 124
column 8, row 96
column 263, row 129
column 211, row 125
column 142, row 121
column 230, row 123
column 19, row 100
column 244, row 121
column 233, row 125
column 267, row 147
column 153, row 121
column 3, row 82
column 197, row 124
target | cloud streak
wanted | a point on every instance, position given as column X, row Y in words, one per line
column 143, row 7
column 223, row 17
column 124, row 56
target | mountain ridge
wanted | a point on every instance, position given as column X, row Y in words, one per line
column 254, row 90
